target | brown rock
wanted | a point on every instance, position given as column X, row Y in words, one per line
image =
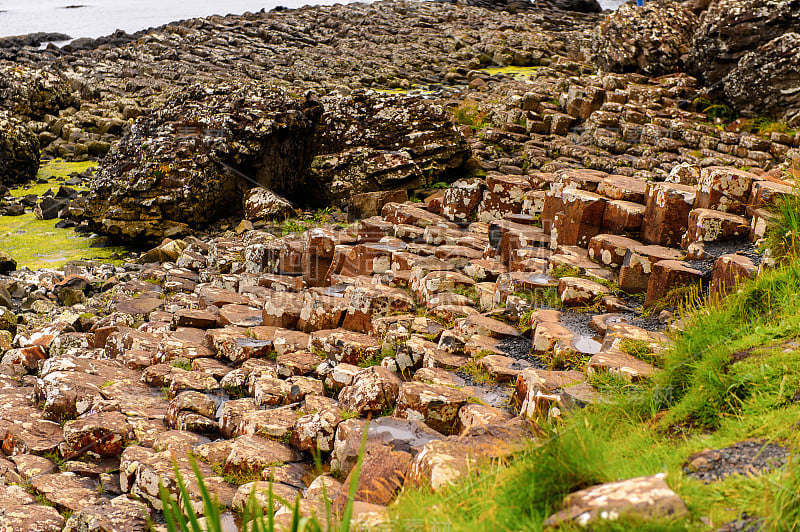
column 667, row 275
column 383, row 474
column 434, row 404
column 374, row 391
column 642, row 497
column 730, row 270
column 667, row 211
column 724, row 189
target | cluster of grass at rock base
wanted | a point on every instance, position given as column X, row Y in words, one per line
column 180, row 515
column 37, row 243
column 732, row 374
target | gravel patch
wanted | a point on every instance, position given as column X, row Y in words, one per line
column 717, row 249
column 747, row 457
column 743, row 523
column 519, row 348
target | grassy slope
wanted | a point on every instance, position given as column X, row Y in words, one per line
column 700, row 400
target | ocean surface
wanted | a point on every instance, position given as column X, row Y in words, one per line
column 94, row 18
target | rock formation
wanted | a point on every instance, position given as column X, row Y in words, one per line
column 654, row 39
column 19, row 151
column 742, row 46
column 188, row 164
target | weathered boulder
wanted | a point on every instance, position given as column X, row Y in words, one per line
column 32, row 92
column 642, row 497
column 655, row 39
column 189, row 162
column 370, row 143
column 730, row 29
column 19, row 150
column 747, row 51
column 263, row 204
column 765, row 80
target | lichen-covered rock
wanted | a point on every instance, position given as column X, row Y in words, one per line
column 765, row 80
column 34, row 92
column 263, row 204
column 184, row 164
column 189, row 163
column 368, row 143
column 642, row 497
column 517, row 6
column 19, row 150
column 118, row 514
column 655, row 39
column 20, row 512
column 730, row 29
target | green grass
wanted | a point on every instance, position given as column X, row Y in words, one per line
column 181, row 516
column 182, row 363
column 239, row 477
column 783, row 235
column 765, row 125
column 386, row 351
column 641, row 350
column 476, row 371
column 547, row 297
column 565, row 270
column 469, row 114
column 732, row 374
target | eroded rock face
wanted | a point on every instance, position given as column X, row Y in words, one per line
column 190, row 162
column 183, row 165
column 369, row 143
column 731, row 29
column 746, row 50
column 655, row 39
column 19, row 150
column 766, row 79
column 34, row 92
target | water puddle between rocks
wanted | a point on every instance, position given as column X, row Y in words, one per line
column 586, row 345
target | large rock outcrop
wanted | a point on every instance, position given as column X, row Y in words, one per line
column 653, row 40
column 730, row 29
column 370, row 143
column 517, row 6
column 746, row 52
column 767, row 80
column 19, row 151
column 33, row 92
column 189, row 163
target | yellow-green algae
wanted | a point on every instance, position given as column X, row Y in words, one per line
column 513, row 71
column 51, row 170
column 37, row 243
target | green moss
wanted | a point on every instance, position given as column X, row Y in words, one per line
column 51, row 170
column 38, row 243
column 513, row 71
